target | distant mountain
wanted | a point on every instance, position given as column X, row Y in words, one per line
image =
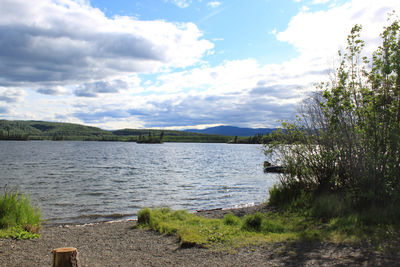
column 233, row 131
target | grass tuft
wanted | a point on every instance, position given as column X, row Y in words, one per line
column 253, row 222
column 144, row 216
column 230, row 219
column 18, row 218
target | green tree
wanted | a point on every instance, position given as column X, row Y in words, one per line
column 346, row 138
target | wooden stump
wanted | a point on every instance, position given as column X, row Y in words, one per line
column 65, row 257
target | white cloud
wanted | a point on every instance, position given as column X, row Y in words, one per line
column 234, row 85
column 54, row 90
column 214, row 4
column 318, row 35
column 11, row 95
column 181, row 3
column 53, row 43
column 118, row 85
column 304, row 9
column 241, row 92
column 232, row 76
column 274, row 31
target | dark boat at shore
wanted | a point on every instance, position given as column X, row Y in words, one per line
column 268, row 167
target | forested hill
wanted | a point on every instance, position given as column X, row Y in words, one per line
column 40, row 130
column 49, row 130
column 234, row 131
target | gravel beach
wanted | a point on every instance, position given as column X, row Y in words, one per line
column 117, row 244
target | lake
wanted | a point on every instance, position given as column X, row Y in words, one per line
column 80, row 182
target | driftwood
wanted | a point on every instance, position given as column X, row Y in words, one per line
column 208, row 210
column 65, row 257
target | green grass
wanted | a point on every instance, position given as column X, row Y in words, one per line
column 18, row 218
column 233, row 232
column 193, row 230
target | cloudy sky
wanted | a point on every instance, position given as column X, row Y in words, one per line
column 172, row 64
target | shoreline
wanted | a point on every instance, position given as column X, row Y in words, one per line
column 133, row 217
column 116, row 243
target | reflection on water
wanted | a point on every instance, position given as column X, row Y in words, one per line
column 92, row 181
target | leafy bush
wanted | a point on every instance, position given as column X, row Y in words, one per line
column 346, row 139
column 16, row 213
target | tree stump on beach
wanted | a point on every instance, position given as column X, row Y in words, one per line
column 65, row 257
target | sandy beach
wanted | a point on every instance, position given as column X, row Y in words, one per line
column 117, row 244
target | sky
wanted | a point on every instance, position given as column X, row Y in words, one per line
column 173, row 64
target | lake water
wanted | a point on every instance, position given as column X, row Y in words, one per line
column 80, row 182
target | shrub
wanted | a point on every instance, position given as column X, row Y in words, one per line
column 253, row 222
column 17, row 213
column 230, row 219
column 144, row 216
